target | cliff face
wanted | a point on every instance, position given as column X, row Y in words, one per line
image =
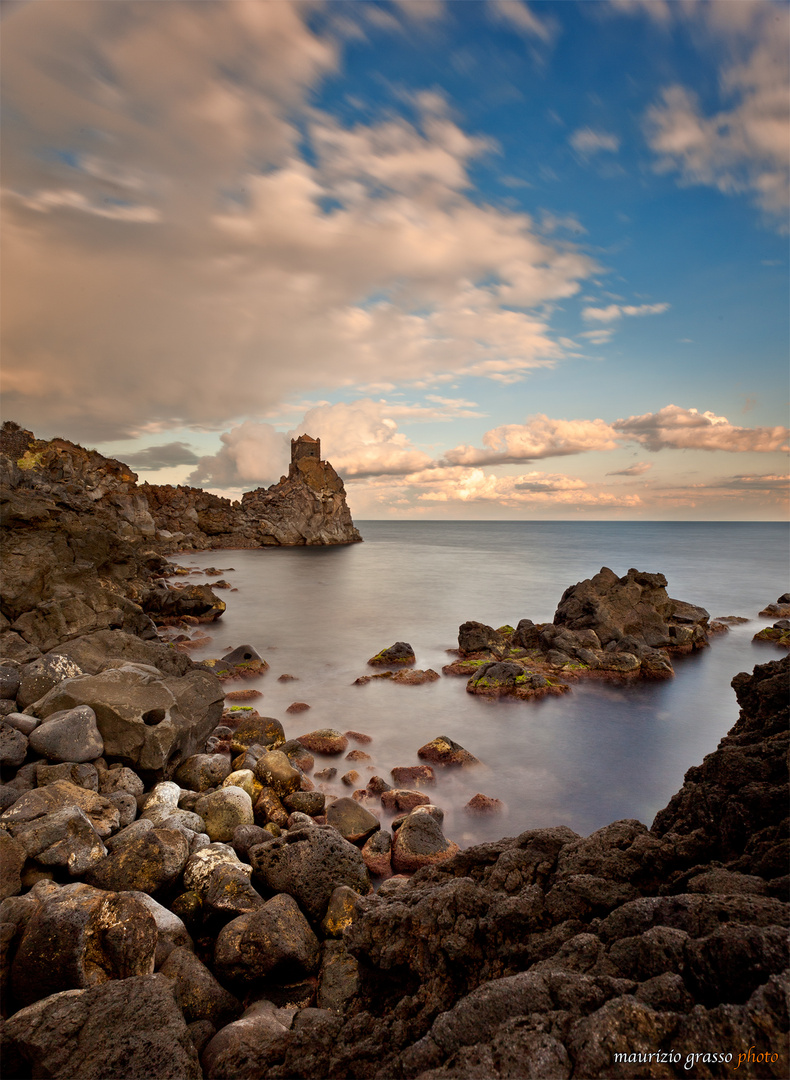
column 307, row 507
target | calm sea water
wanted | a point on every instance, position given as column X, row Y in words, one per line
column 599, row 753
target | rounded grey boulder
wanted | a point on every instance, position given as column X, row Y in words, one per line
column 71, row 735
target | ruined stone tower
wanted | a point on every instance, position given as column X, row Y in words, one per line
column 305, row 447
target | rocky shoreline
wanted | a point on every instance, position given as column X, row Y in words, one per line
column 180, row 899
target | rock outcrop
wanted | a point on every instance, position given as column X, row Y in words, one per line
column 604, row 627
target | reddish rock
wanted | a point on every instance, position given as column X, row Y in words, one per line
column 377, row 853
column 396, row 655
column 297, row 707
column 350, row 778
column 413, row 774
column 285, row 677
column 484, row 804
column 420, row 842
column 416, row 677
column 400, row 800
column 326, row 774
column 243, row 695
column 358, row 755
column 359, row 737
column 324, row 741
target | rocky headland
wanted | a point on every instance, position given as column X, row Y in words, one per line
column 180, row 899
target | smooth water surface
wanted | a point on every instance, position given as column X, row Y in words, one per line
column 601, row 752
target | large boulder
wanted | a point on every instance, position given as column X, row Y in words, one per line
column 132, row 1029
column 309, row 864
column 636, row 605
column 274, row 940
column 80, row 937
column 147, row 721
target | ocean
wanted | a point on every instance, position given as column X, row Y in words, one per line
column 597, row 754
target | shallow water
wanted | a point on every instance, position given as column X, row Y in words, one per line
column 599, row 753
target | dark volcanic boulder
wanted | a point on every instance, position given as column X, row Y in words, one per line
column 636, row 605
column 132, row 1029
column 79, row 937
column 399, row 653
column 94, row 652
column 148, row 722
column 275, row 939
column 309, row 864
column 169, row 602
column 474, row 637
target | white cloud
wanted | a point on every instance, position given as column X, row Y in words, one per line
column 744, row 146
column 586, row 141
column 676, row 428
column 597, row 337
column 266, row 272
column 540, row 437
column 519, row 16
column 529, row 489
column 613, row 312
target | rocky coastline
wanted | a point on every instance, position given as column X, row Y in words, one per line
column 181, row 900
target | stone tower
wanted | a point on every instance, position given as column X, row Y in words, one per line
column 305, row 447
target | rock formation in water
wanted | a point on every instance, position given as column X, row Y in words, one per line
column 604, row 627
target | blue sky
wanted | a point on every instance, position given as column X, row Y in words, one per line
column 506, row 259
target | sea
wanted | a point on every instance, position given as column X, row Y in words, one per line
column 600, row 753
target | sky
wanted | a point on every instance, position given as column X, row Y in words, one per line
column 507, row 260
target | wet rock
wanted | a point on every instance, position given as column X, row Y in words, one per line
column 147, row 721
column 171, row 601
column 62, row 795
column 422, row 775
column 84, row 776
column 484, row 804
column 223, row 810
column 275, row 771
column 324, row 741
column 474, row 637
column 309, row 864
column 202, row 864
column 339, row 977
column 326, row 774
column 401, row 800
column 198, row 993
column 352, row 821
column 148, row 863
column 40, row 676
column 443, row 751
column 297, row 707
column 377, row 852
column 420, row 842
column 241, row 654
column 9, row 683
column 64, row 838
column 97, row 1033
column 351, row 778
column 299, row 757
column 199, row 772
column 247, row 836
column 276, row 939
column 399, row 653
column 13, row 746
column 240, row 1051
column 230, row 893
column 79, row 937
column 12, row 859
column 69, row 736
column 269, row 808
column 252, row 729
column 171, row 933
column 343, row 908
column 306, row 802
